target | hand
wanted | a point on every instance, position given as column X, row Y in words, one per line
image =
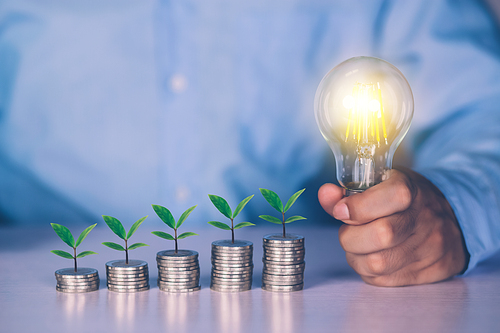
column 399, row 232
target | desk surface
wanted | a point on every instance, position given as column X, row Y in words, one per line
column 334, row 299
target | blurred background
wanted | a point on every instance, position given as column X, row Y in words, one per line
column 109, row 107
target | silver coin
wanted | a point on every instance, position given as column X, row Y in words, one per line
column 227, row 243
column 236, row 287
column 72, row 281
column 245, row 270
column 233, row 259
column 223, row 281
column 177, row 284
column 216, row 252
column 121, row 290
column 230, row 265
column 76, row 284
column 281, row 283
column 180, row 255
column 81, row 273
column 90, row 286
column 232, row 262
column 285, row 278
column 280, row 265
column 180, row 274
column 128, row 287
column 179, row 280
column 121, row 266
column 177, row 264
column 179, row 290
column 181, row 267
column 127, row 283
column 284, row 253
column 281, row 258
column 93, row 288
column 142, row 278
column 127, row 276
column 283, row 273
column 232, row 276
column 295, row 287
column 178, row 277
column 278, row 238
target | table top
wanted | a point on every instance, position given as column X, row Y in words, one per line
column 335, row 299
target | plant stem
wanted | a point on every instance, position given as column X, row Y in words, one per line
column 232, row 231
column 284, row 233
column 76, row 268
column 126, row 252
column 175, row 230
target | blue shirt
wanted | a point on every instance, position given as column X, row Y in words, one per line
column 107, row 107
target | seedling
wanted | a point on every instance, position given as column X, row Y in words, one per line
column 67, row 238
column 166, row 216
column 223, row 207
column 273, row 199
column 117, row 227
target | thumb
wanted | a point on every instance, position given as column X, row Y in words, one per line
column 329, row 195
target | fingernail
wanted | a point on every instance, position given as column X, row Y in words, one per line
column 341, row 212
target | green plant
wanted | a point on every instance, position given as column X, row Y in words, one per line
column 273, row 199
column 166, row 216
column 223, row 207
column 67, row 238
column 117, row 227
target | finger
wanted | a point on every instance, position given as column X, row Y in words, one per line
column 381, row 234
column 389, row 197
column 329, row 195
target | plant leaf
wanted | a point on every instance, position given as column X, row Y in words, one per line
column 184, row 216
column 221, row 204
column 271, row 219
column 114, row 246
column 115, row 226
column 220, row 225
column 134, row 226
column 64, row 234
column 243, row 224
column 273, row 199
column 165, row 215
column 63, row 254
column 163, row 235
column 292, row 199
column 85, row 253
column 186, row 234
column 84, row 234
column 294, row 218
column 241, row 205
column 136, row 245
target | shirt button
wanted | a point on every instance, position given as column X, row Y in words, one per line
column 182, row 193
column 178, row 83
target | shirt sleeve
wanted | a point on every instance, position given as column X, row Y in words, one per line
column 449, row 52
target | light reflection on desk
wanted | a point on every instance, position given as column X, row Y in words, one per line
column 124, row 308
column 73, row 305
column 230, row 311
column 179, row 311
column 283, row 312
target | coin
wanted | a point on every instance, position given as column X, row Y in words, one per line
column 230, row 288
column 284, row 253
column 79, row 283
column 174, row 264
column 121, row 290
column 179, row 290
column 228, row 245
column 127, row 283
column 180, row 280
column 295, row 287
column 278, row 238
column 282, row 279
column 66, row 290
column 134, row 279
column 81, row 273
column 232, row 259
column 76, row 281
column 135, row 266
column 181, row 255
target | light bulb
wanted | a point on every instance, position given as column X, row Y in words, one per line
column 363, row 107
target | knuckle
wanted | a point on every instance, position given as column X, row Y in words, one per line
column 404, row 193
column 376, row 263
column 385, row 235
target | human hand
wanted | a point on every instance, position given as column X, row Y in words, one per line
column 399, row 232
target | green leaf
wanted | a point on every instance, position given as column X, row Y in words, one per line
column 114, row 246
column 134, row 226
column 63, row 254
column 243, row 224
column 292, row 199
column 136, row 245
column 273, row 199
column 294, row 218
column 84, row 234
column 64, row 234
column 186, row 234
column 221, row 204
column 165, row 215
column 220, row 225
column 241, row 205
column 271, row 219
column 85, row 253
column 163, row 235
column 184, row 216
column 115, row 226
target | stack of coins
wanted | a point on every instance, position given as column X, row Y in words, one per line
column 81, row 281
column 131, row 277
column 283, row 263
column 178, row 272
column 232, row 265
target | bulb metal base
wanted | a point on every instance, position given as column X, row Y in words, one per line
column 348, row 192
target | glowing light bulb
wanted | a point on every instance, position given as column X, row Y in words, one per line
column 363, row 107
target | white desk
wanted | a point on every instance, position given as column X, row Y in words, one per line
column 334, row 299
